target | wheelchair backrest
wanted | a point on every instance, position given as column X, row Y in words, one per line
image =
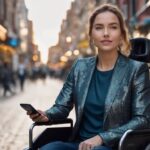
column 140, row 49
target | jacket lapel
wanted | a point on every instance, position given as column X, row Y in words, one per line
column 83, row 90
column 118, row 75
column 86, row 79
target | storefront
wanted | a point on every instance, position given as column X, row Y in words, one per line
column 6, row 53
column 143, row 17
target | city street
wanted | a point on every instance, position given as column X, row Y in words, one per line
column 14, row 123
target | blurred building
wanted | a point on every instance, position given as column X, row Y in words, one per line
column 142, row 18
column 137, row 15
column 14, row 32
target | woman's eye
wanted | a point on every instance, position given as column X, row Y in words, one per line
column 98, row 28
column 114, row 27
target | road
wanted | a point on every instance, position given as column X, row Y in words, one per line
column 14, row 123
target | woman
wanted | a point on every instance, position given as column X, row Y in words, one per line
column 110, row 92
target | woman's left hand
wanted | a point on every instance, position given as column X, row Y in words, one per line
column 90, row 143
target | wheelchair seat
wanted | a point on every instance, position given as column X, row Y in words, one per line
column 131, row 140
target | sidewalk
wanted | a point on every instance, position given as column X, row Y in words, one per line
column 14, row 123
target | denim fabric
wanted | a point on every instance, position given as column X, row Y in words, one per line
column 58, row 145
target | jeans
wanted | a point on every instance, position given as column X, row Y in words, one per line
column 59, row 145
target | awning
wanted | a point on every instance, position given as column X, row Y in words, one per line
column 7, row 49
column 145, row 10
column 6, row 53
column 143, row 17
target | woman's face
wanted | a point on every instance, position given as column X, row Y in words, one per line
column 106, row 32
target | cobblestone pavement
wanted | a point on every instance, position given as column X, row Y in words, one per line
column 14, row 123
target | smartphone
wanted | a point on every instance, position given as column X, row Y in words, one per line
column 29, row 108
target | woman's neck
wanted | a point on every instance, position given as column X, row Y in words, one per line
column 106, row 60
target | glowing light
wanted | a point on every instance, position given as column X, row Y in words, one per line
column 68, row 39
column 63, row 58
column 68, row 53
column 76, row 52
column 35, row 57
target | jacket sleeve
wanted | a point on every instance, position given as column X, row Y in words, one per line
column 140, row 107
column 64, row 101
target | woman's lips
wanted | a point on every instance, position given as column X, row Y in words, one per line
column 106, row 42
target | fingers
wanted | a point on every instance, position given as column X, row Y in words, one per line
column 39, row 117
column 29, row 112
column 90, row 143
column 35, row 117
column 41, row 112
column 85, row 146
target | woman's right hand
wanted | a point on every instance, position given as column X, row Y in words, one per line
column 39, row 117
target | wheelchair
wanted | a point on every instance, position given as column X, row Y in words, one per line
column 131, row 139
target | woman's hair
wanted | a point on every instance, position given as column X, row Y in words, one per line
column 125, row 46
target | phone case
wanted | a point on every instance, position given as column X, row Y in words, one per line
column 29, row 107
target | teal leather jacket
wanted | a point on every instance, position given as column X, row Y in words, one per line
column 127, row 105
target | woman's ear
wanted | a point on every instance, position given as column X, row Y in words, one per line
column 121, row 42
column 91, row 43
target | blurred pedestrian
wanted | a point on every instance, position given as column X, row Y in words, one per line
column 21, row 74
column 6, row 76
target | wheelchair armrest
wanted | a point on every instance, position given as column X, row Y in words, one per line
column 135, row 140
column 54, row 122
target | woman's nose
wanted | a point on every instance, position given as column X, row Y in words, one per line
column 106, row 33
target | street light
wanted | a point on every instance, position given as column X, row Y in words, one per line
column 63, row 58
column 35, row 57
column 68, row 53
column 76, row 52
column 68, row 39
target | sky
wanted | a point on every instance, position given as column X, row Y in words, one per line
column 47, row 16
